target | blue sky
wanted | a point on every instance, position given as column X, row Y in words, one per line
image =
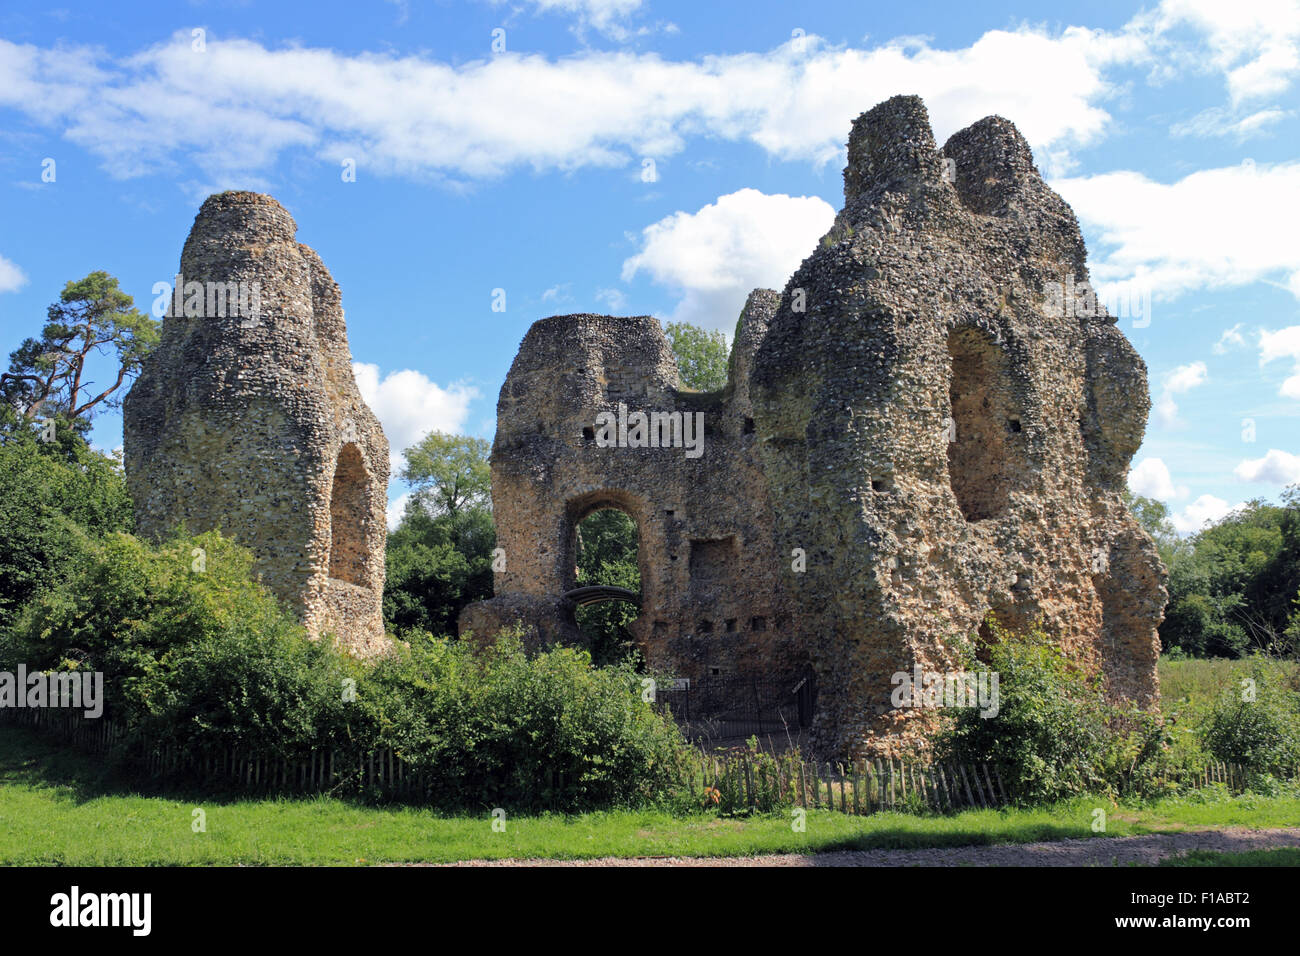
column 653, row 157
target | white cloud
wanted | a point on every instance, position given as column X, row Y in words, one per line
column 410, row 406
column 558, row 293
column 1215, row 228
column 1182, row 379
column 420, row 117
column 1150, row 478
column 607, row 16
column 1254, row 43
column 1206, row 508
column 1230, row 339
column 1217, row 121
column 1284, row 343
column 614, row 299
column 396, row 509
column 717, row 255
column 1185, row 377
column 12, row 278
column 1276, row 468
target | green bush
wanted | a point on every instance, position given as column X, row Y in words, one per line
column 1054, row 735
column 51, row 494
column 207, row 660
column 1255, row 722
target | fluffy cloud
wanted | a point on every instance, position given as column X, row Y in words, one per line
column 1276, row 468
column 1150, row 478
column 1218, row 121
column 1204, row 509
column 1254, row 43
column 1212, row 229
column 421, row 117
column 607, row 16
column 1182, row 379
column 717, row 255
column 12, row 278
column 1230, row 339
column 1284, row 343
column 410, row 406
column 397, row 508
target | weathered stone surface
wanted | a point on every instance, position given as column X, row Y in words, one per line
column 909, row 413
column 253, row 424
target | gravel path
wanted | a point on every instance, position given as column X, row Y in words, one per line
column 1107, row 851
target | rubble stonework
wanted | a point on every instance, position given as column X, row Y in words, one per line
column 910, row 413
column 252, row 424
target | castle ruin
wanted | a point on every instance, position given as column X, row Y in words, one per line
column 914, row 435
column 247, row 419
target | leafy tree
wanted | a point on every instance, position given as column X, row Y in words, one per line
column 440, row 557
column 1233, row 586
column 701, row 356
column 1153, row 516
column 49, row 376
column 437, row 564
column 53, row 495
column 450, row 473
column 607, row 554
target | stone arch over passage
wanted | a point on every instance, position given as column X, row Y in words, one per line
column 578, row 509
column 350, row 545
column 986, row 455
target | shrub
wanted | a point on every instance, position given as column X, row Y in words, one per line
column 51, row 494
column 208, row 660
column 1262, row 734
column 1054, row 734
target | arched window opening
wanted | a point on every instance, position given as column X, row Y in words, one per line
column 349, row 550
column 984, row 434
column 606, row 553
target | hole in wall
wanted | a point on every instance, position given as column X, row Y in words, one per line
column 983, row 461
column 349, row 518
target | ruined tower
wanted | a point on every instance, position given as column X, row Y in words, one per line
column 918, row 432
column 247, row 419
column 944, row 439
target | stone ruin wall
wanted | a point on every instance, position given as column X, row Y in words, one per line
column 712, row 596
column 252, row 423
column 908, row 412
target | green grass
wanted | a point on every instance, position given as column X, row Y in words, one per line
column 1284, row 856
column 60, row 807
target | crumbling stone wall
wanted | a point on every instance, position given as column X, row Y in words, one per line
column 911, row 414
column 251, row 422
column 712, row 597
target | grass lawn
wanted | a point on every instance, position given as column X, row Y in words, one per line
column 59, row 807
column 1284, row 856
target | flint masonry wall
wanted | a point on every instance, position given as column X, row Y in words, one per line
column 712, row 601
column 910, row 412
column 253, row 424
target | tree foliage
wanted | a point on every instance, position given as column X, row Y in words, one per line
column 1233, row 587
column 52, row 496
column 49, row 376
column 701, row 356
column 439, row 558
column 607, row 554
column 449, row 473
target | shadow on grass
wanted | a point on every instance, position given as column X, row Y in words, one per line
column 32, row 759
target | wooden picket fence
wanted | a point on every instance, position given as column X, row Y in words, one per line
column 744, row 780
column 734, row 781
column 315, row 772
